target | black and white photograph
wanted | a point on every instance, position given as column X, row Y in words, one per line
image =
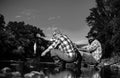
column 59, row 38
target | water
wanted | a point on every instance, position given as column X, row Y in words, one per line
column 50, row 71
column 75, row 73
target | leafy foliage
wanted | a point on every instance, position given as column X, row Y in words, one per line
column 104, row 21
column 2, row 22
column 17, row 40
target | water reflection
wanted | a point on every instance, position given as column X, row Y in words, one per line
column 96, row 75
column 64, row 73
column 68, row 73
column 61, row 73
column 49, row 72
column 105, row 72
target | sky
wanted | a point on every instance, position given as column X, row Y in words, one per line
column 67, row 15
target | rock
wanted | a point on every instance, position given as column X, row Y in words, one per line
column 16, row 74
column 34, row 74
column 6, row 70
column 28, row 75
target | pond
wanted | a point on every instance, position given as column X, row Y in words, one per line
column 70, row 73
column 58, row 72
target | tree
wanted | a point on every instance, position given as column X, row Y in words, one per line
column 2, row 22
column 25, row 36
column 104, row 21
column 17, row 39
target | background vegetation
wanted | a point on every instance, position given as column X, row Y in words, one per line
column 17, row 40
column 104, row 21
